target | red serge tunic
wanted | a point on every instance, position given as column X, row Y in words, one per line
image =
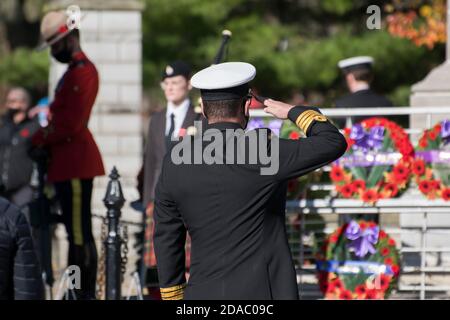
column 73, row 151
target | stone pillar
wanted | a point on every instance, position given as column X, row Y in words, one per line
column 111, row 36
column 434, row 91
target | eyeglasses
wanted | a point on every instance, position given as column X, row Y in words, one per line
column 251, row 95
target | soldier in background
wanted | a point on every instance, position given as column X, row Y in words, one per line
column 16, row 130
column 358, row 77
column 75, row 159
column 176, row 120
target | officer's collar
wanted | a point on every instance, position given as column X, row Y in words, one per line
column 224, row 125
column 77, row 57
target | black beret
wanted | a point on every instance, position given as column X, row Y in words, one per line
column 177, row 68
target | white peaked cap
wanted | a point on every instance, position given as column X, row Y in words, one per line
column 355, row 61
column 224, row 75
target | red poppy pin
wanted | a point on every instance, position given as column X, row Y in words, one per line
column 25, row 133
column 182, row 132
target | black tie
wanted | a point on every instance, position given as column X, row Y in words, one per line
column 171, row 130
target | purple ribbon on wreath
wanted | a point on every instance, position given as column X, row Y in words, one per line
column 275, row 126
column 445, row 131
column 366, row 140
column 255, row 123
column 362, row 241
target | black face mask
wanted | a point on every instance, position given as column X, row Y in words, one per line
column 64, row 55
column 12, row 112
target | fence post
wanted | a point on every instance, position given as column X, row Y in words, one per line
column 114, row 201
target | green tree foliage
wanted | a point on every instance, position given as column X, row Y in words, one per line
column 295, row 45
column 20, row 64
column 26, row 68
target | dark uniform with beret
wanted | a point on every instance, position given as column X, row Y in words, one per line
column 156, row 146
column 235, row 216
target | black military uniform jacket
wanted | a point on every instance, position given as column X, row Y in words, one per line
column 16, row 165
column 360, row 99
column 236, row 218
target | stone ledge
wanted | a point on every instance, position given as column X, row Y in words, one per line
column 437, row 80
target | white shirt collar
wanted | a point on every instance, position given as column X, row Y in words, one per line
column 180, row 112
column 360, row 87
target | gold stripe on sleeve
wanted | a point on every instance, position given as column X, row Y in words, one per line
column 305, row 120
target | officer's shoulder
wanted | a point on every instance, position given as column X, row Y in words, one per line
column 381, row 100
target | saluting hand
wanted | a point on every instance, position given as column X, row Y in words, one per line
column 277, row 108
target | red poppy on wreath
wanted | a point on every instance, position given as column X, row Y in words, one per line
column 359, row 185
column 294, row 135
column 423, row 143
column 446, row 194
column 337, row 174
column 360, row 290
column 333, row 239
column 347, row 190
column 400, row 172
column 425, row 186
column 418, row 167
column 395, row 269
column 346, row 273
column 370, row 196
column 432, row 161
column 345, row 295
column 390, row 190
column 432, row 134
column 378, row 163
column 383, row 282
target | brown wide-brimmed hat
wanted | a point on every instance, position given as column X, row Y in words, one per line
column 55, row 25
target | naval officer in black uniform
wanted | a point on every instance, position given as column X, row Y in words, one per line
column 358, row 76
column 235, row 215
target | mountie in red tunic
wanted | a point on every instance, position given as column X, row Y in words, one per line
column 74, row 153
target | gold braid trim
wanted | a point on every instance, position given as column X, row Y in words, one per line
column 170, row 289
column 178, row 296
column 305, row 120
column 173, row 293
column 309, row 115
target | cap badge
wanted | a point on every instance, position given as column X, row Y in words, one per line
column 169, row 70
